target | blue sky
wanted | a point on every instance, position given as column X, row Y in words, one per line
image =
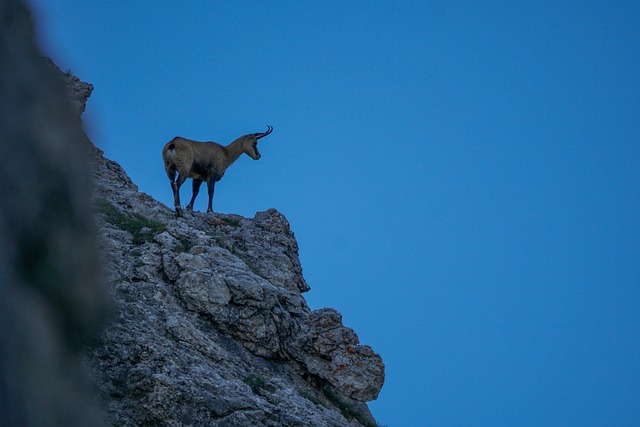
column 462, row 177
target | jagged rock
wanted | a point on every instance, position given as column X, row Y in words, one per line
column 222, row 293
column 78, row 92
column 335, row 354
column 200, row 337
column 253, row 243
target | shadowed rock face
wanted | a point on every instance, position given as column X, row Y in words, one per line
column 50, row 292
column 334, row 352
column 207, row 325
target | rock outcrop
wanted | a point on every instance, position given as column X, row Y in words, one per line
column 210, row 326
column 207, row 324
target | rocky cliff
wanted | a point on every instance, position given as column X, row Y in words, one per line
column 209, row 325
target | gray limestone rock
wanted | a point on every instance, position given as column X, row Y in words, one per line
column 216, row 300
column 334, row 353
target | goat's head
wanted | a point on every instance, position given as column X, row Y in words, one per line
column 250, row 144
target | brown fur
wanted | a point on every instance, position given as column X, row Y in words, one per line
column 204, row 162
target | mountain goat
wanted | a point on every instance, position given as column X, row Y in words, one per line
column 204, row 162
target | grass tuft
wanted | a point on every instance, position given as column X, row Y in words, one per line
column 141, row 228
column 348, row 410
column 258, row 382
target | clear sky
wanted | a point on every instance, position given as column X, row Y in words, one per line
column 462, row 177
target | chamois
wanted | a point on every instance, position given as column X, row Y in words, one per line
column 204, row 162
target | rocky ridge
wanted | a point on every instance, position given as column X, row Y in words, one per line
column 208, row 324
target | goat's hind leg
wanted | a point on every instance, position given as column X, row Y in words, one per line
column 196, row 189
column 175, row 186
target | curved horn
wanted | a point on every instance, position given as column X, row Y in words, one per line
column 262, row 135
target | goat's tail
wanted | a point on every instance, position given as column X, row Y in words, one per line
column 170, row 149
column 171, row 146
column 168, row 154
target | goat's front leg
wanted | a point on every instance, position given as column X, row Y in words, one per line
column 211, row 184
column 196, row 189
